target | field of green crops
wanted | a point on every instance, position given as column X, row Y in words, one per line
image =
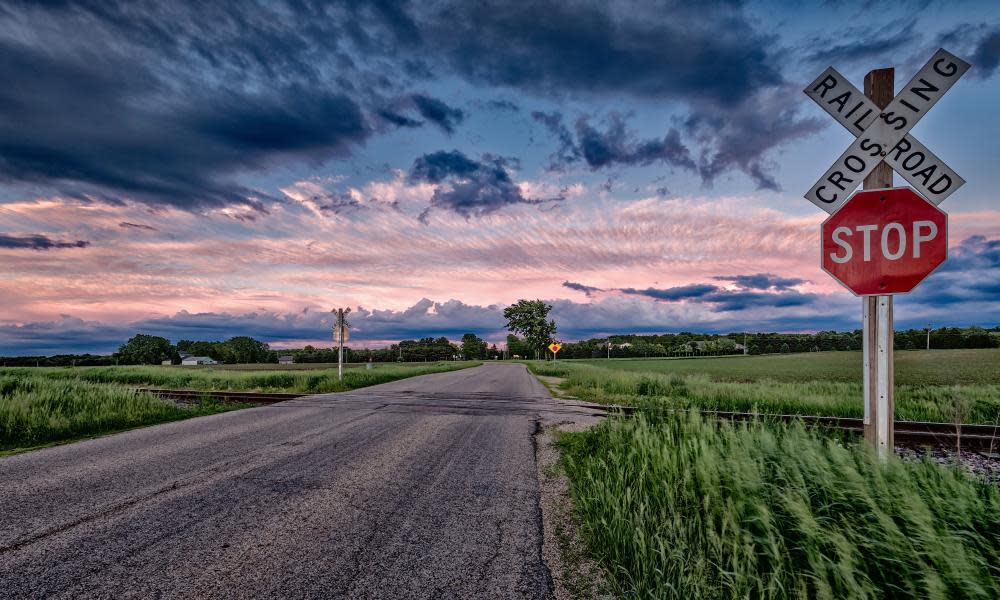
column 930, row 386
column 913, row 367
column 48, row 405
column 678, row 507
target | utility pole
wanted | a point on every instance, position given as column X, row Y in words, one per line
column 340, row 336
column 928, row 336
column 877, row 310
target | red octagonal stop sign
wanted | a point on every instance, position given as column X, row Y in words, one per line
column 884, row 241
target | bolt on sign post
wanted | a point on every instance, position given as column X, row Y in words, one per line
column 340, row 335
column 884, row 240
column 555, row 347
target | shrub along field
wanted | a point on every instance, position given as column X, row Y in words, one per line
column 678, row 507
column 41, row 406
column 930, row 386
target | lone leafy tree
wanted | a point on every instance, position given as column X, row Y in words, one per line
column 530, row 319
column 473, row 347
column 146, row 350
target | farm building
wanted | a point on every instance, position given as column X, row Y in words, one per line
column 197, row 360
column 286, row 360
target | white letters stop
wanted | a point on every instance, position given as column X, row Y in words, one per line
column 923, row 231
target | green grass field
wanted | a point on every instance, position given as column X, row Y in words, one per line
column 930, row 386
column 49, row 405
column 679, row 507
column 913, row 367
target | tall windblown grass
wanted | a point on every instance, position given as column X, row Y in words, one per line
column 827, row 398
column 688, row 508
column 305, row 382
column 36, row 410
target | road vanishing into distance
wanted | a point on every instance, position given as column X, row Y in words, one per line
column 424, row 487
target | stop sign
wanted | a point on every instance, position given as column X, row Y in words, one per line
column 884, row 241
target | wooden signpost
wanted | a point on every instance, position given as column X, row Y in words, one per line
column 881, row 123
column 341, row 334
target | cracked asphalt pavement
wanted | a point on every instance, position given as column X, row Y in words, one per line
column 420, row 488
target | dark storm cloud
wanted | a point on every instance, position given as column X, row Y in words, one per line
column 673, row 49
column 864, row 44
column 399, row 120
column 469, row 187
column 673, row 294
column 503, row 105
column 706, row 56
column 588, row 290
column 727, row 142
column 438, row 166
column 986, row 55
column 169, row 103
column 439, row 113
column 762, row 281
column 613, row 146
column 970, row 275
column 979, row 44
column 567, row 151
column 722, row 300
column 742, row 138
column 733, row 301
column 172, row 103
column 37, row 242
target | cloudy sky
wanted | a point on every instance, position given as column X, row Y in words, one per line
column 233, row 168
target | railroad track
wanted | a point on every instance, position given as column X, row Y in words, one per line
column 238, row 397
column 980, row 438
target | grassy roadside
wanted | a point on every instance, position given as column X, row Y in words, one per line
column 224, row 378
column 607, row 383
column 41, row 407
column 684, row 508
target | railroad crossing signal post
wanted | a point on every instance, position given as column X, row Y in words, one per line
column 858, row 238
column 341, row 335
column 877, row 326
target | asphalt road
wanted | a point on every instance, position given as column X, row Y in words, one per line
column 420, row 488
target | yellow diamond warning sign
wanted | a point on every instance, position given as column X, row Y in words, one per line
column 554, row 347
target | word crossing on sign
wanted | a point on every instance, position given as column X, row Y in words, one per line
column 884, row 241
column 555, row 347
column 886, row 134
column 919, row 166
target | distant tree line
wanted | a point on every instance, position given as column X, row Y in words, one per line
column 700, row 344
column 153, row 350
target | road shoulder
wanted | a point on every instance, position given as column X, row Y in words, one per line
column 575, row 574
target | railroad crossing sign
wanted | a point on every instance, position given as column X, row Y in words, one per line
column 883, row 135
column 341, row 334
column 555, row 347
column 884, row 241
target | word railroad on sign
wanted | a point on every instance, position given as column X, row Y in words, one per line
column 882, row 134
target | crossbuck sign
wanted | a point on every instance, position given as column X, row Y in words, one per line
column 883, row 134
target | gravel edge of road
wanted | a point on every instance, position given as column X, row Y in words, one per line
column 575, row 574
